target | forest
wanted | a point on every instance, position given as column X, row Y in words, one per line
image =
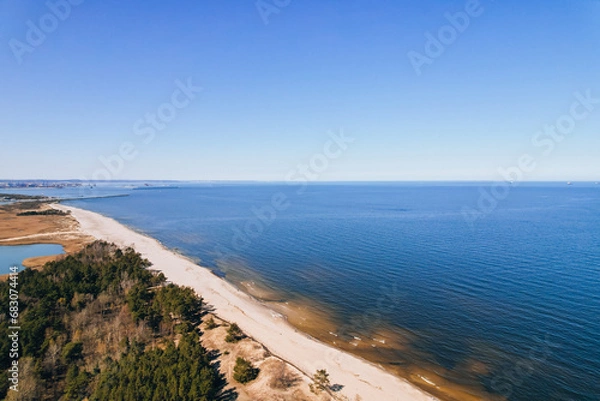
column 101, row 325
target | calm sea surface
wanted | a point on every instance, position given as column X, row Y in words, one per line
column 509, row 302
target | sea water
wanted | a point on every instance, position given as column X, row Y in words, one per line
column 507, row 301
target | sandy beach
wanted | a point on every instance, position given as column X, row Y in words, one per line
column 357, row 376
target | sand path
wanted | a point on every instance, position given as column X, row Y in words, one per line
column 57, row 233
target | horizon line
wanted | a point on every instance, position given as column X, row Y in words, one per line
column 287, row 182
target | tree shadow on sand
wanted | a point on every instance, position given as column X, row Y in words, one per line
column 206, row 309
column 224, row 394
column 228, row 395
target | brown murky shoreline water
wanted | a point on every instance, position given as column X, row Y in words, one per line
column 387, row 348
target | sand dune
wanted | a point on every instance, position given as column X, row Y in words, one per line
column 358, row 377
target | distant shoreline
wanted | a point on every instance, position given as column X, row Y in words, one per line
column 16, row 198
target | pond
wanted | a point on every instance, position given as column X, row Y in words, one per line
column 15, row 254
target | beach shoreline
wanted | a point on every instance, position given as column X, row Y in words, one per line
column 265, row 325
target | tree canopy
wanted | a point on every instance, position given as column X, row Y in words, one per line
column 100, row 325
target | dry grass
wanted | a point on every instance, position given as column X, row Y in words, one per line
column 28, row 230
column 277, row 381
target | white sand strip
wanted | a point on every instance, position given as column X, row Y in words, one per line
column 258, row 321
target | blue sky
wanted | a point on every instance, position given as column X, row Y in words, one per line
column 272, row 92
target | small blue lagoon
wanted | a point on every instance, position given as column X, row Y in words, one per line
column 15, row 254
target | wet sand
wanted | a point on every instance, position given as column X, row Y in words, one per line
column 379, row 346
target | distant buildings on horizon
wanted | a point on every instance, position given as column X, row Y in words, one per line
column 39, row 184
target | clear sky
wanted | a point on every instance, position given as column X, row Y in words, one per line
column 83, row 84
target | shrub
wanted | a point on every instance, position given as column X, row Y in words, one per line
column 244, row 371
column 320, row 381
column 234, row 334
column 211, row 324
